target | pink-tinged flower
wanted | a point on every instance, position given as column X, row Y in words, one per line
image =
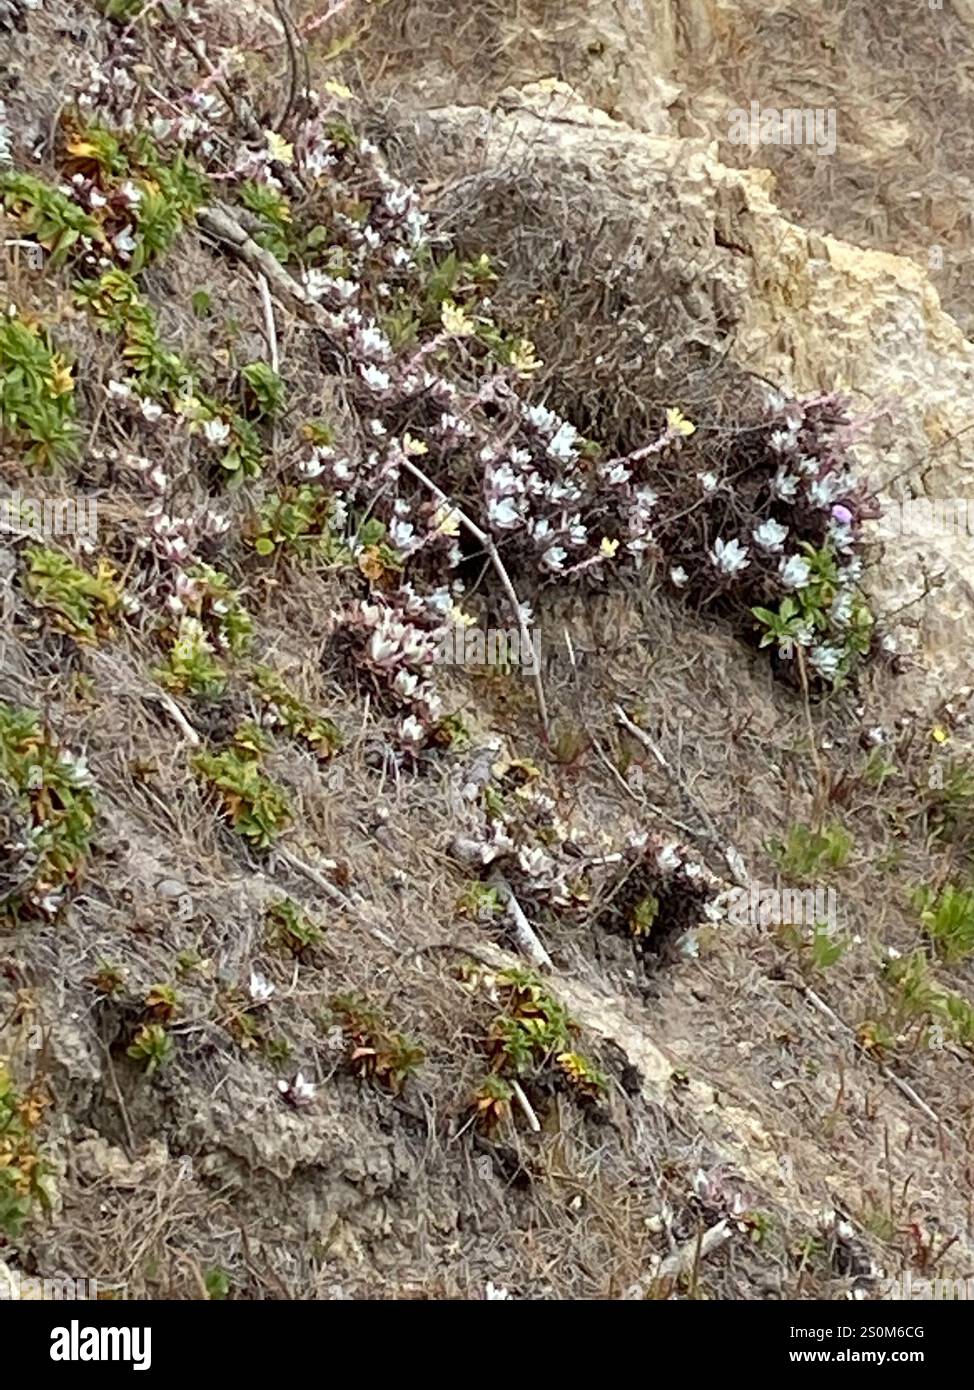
column 842, row 515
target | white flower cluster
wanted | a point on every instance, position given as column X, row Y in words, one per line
column 550, row 864
column 396, row 637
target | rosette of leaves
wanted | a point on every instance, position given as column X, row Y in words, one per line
column 47, row 811
column 255, row 806
column 297, row 522
column 532, row 1039
column 51, row 217
column 23, row 1171
column 36, row 395
column 81, row 604
column 374, row 1050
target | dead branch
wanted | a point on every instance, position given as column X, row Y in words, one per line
column 710, row 835
column 525, row 937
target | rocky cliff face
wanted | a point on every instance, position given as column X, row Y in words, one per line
column 761, row 1094
column 850, row 271
column 805, row 311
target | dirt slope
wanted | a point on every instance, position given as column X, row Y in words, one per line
column 808, row 1110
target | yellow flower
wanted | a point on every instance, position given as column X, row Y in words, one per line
column 446, row 521
column 414, row 448
column 608, row 548
column 678, row 423
column 83, row 149
column 460, row 618
column 523, row 359
column 60, row 380
column 455, row 320
column 939, row 734
column 337, row 89
column 278, row 147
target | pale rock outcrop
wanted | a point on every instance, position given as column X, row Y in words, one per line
column 812, row 313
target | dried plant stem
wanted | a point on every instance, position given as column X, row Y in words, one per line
column 177, row 717
column 534, row 1123
column 269, row 324
column 490, row 549
column 689, row 1255
column 823, row 781
column 711, row 835
column 334, row 894
column 525, row 937
column 902, row 1086
column 225, row 227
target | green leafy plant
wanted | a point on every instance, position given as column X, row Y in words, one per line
column 46, row 796
column 821, row 948
column 167, row 190
column 451, row 280
column 479, row 903
column 948, row 918
column 297, row 520
column 218, row 604
column 879, row 768
column 122, row 11
column 108, row 979
column 152, row 1046
column 256, row 807
column 162, row 1002
column 374, row 1051
column 264, row 390
column 812, row 613
column 36, row 395
column 273, row 211
column 115, row 300
column 170, row 198
column 491, row 1103
column 217, row 1284
column 805, row 852
column 919, row 995
column 23, row 1171
column 950, row 799
column 281, row 707
column 216, row 623
column 827, row 948
column 55, row 221
column 533, row 1034
column 291, row 929
column 81, row 604
column 643, row 915
column 191, row 666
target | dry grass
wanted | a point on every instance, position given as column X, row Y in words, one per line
column 734, row 1087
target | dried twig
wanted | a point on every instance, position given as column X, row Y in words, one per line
column 525, row 937
column 269, row 325
column 710, row 835
column 287, row 26
column 902, row 1086
column 534, row 1123
column 177, row 717
column 335, row 894
column 689, row 1255
column 490, row 550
